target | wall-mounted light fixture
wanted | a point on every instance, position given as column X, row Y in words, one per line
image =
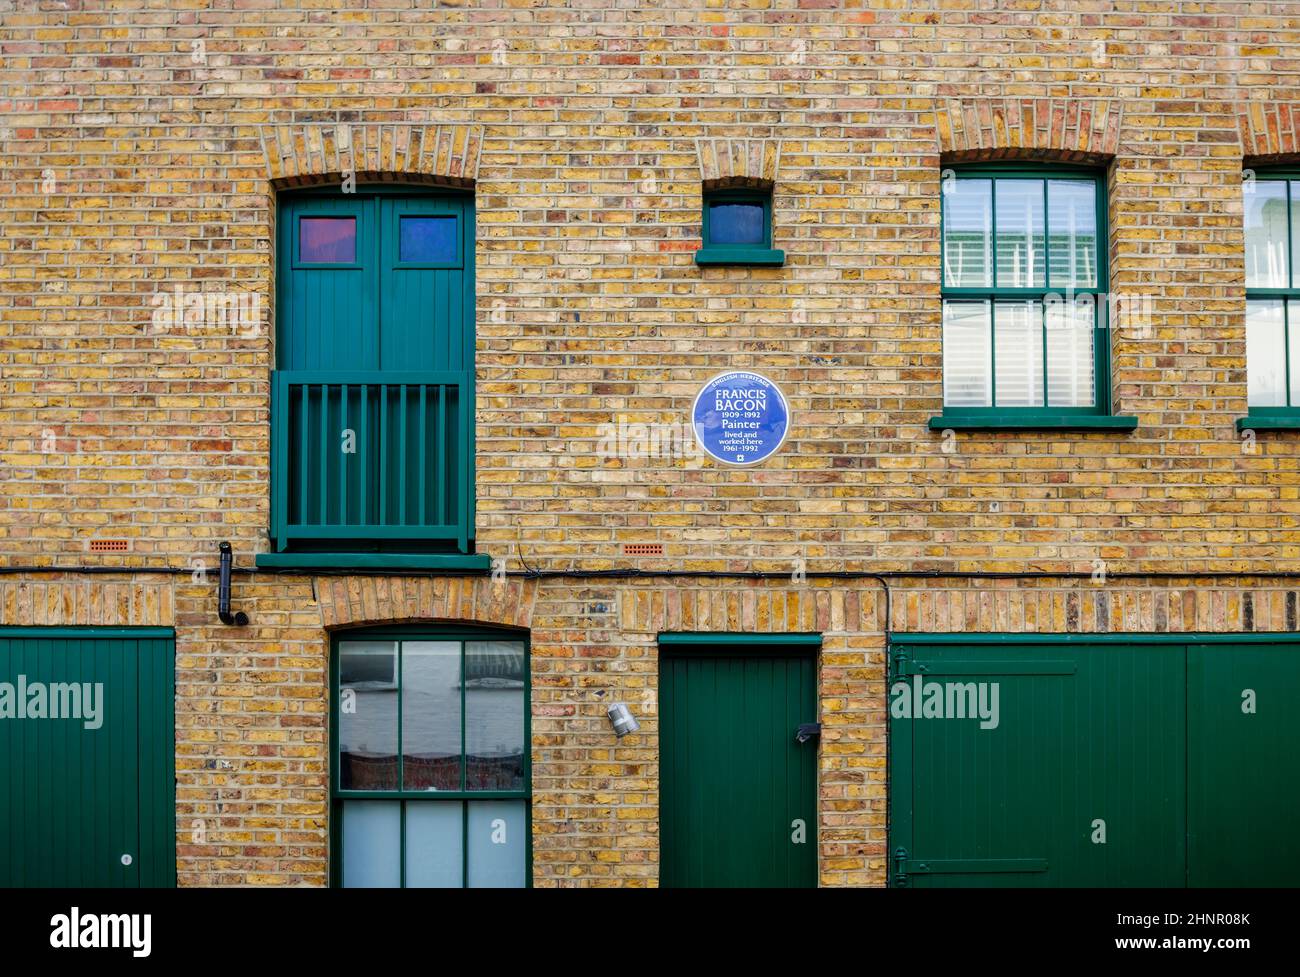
column 223, row 591
column 621, row 718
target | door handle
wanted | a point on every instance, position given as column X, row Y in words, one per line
column 807, row 731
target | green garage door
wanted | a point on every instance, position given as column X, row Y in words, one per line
column 1054, row 761
column 87, row 795
column 738, row 789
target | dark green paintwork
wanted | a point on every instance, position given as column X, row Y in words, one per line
column 74, row 799
column 384, row 349
column 1028, row 419
column 1144, row 732
column 732, row 779
column 1244, row 778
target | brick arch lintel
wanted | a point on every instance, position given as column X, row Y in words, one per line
column 1270, row 132
column 353, row 601
column 1066, row 130
column 301, row 154
column 727, row 163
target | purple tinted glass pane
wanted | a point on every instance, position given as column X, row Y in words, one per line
column 736, row 223
column 427, row 239
column 327, row 240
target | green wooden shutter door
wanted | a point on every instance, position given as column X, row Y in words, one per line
column 373, row 395
column 732, row 779
column 1148, row 736
column 423, row 305
column 75, row 800
column 1244, row 782
column 1084, row 734
column 328, row 314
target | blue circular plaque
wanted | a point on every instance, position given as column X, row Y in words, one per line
column 740, row 418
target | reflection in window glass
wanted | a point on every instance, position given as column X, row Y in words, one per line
column 497, row 835
column 1070, row 381
column 1265, row 222
column 736, row 223
column 431, row 715
column 430, row 240
column 1072, row 224
column 434, row 845
column 966, row 354
column 372, row 844
column 327, row 240
column 967, row 233
column 494, row 715
column 1020, row 234
column 367, row 715
column 1265, row 353
column 1018, row 353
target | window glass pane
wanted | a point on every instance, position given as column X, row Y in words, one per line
column 1265, row 354
column 494, row 715
column 1072, row 224
column 1295, row 234
column 736, row 223
column 1293, row 349
column 327, row 240
column 367, row 715
column 427, row 239
column 966, row 355
column 435, row 834
column 1020, row 234
column 497, row 844
column 372, row 844
column 1018, row 353
column 1070, row 353
column 967, row 233
column 431, row 715
column 1266, row 224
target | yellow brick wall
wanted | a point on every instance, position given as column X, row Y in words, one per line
column 252, row 735
column 141, row 148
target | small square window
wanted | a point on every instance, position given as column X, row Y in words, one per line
column 327, row 240
column 738, row 229
column 427, row 240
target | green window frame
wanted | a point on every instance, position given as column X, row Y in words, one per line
column 1023, row 287
column 417, row 807
column 1272, row 298
column 761, row 253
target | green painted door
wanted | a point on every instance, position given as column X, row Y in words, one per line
column 737, row 791
column 87, row 795
column 1124, row 762
column 1243, row 704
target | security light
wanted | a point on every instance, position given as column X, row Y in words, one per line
column 622, row 719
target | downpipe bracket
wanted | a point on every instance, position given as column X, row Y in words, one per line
column 239, row 618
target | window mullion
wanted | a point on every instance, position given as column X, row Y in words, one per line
column 464, row 759
column 1047, row 284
